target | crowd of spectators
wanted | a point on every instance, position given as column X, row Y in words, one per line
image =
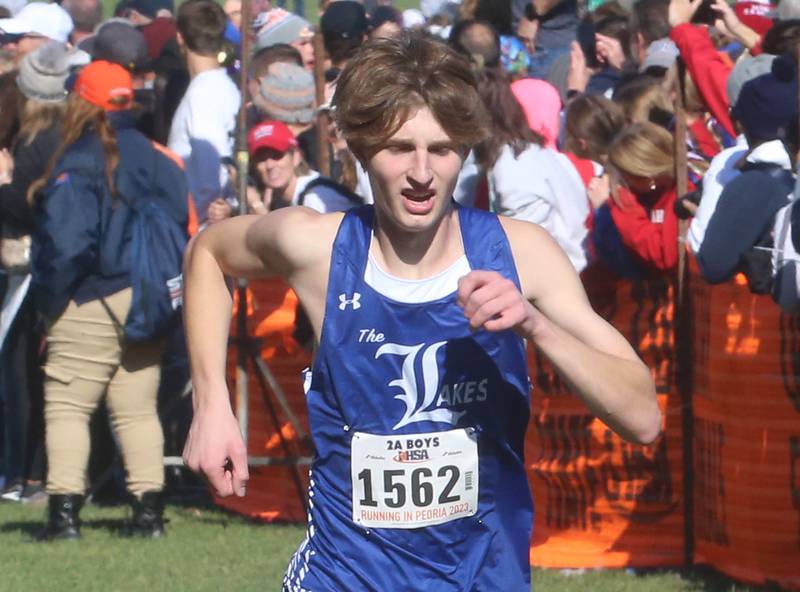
column 586, row 104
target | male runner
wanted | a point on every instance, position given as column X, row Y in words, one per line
column 418, row 396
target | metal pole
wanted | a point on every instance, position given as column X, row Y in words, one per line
column 323, row 153
column 683, row 327
column 681, row 172
column 242, row 166
column 244, row 343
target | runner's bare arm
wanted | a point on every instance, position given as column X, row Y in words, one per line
column 288, row 243
column 556, row 316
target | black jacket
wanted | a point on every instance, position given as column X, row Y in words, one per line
column 30, row 162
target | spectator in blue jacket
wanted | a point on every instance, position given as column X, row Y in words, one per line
column 739, row 236
column 82, row 284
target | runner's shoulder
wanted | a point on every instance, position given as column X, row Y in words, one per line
column 300, row 236
column 527, row 237
column 541, row 263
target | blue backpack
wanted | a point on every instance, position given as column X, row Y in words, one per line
column 156, row 258
column 156, row 253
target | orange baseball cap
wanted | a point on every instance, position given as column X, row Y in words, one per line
column 106, row 85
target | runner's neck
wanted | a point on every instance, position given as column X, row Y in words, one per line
column 421, row 255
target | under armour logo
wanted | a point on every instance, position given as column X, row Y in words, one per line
column 354, row 301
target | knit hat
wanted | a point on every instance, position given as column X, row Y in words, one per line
column 747, row 69
column 661, row 53
column 286, row 93
column 270, row 135
column 756, row 14
column 788, row 9
column 343, row 19
column 541, row 104
column 767, row 105
column 287, row 29
column 106, row 85
column 43, row 73
column 38, row 18
column 120, row 43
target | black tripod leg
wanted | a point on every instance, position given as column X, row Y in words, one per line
column 262, row 382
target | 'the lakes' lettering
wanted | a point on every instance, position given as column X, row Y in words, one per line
column 462, row 393
column 370, row 336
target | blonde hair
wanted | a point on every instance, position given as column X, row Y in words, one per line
column 643, row 150
column 37, row 116
column 645, row 101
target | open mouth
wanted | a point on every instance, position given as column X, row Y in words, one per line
column 418, row 202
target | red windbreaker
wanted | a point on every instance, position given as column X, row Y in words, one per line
column 649, row 231
column 708, row 70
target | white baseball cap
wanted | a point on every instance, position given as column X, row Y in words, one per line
column 14, row 6
column 38, row 18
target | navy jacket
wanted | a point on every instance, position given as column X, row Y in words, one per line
column 744, row 215
column 82, row 232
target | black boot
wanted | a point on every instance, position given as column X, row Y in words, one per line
column 62, row 518
column 148, row 516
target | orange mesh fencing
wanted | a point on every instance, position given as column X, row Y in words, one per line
column 602, row 502
column 746, row 396
column 272, row 493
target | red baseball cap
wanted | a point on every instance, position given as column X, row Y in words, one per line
column 756, row 14
column 274, row 135
column 106, row 85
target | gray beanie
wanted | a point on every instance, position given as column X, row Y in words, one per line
column 661, row 53
column 43, row 73
column 285, row 30
column 788, row 9
column 745, row 70
column 286, row 93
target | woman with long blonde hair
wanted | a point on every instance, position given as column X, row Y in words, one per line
column 641, row 211
column 82, row 286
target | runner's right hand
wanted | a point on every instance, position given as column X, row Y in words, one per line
column 215, row 449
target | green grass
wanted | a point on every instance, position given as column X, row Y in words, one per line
column 210, row 550
column 205, row 550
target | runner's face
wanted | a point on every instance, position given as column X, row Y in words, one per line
column 414, row 174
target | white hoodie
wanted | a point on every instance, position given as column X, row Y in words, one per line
column 542, row 186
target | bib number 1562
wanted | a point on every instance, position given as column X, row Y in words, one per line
column 413, row 481
column 398, row 483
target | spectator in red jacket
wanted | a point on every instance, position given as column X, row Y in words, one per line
column 708, row 69
column 642, row 207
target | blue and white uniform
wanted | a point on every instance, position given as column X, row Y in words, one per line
column 418, row 481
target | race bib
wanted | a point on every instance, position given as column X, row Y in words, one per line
column 414, row 480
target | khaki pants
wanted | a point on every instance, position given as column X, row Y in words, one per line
column 87, row 359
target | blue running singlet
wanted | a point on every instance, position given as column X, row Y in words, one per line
column 418, row 482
